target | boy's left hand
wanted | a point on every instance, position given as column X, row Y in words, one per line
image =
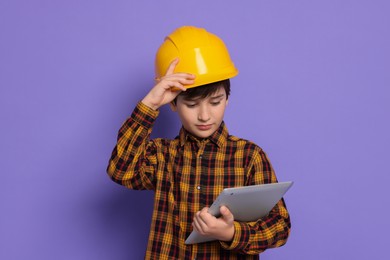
column 221, row 228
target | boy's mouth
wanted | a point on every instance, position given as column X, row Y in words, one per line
column 204, row 127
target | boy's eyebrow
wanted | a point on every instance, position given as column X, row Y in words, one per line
column 199, row 98
column 219, row 96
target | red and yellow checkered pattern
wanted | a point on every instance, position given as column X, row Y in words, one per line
column 186, row 175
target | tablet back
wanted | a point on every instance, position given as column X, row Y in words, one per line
column 248, row 203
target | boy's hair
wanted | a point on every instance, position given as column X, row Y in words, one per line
column 205, row 90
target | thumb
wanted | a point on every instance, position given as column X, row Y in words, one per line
column 226, row 214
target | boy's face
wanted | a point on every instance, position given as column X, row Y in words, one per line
column 202, row 117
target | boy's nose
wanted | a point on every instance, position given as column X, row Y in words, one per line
column 203, row 114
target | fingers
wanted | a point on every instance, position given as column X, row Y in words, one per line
column 203, row 221
column 226, row 214
column 219, row 228
column 198, row 224
column 177, row 80
column 184, row 78
column 174, row 86
column 168, row 87
column 225, row 211
column 172, row 66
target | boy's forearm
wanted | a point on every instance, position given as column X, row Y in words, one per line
column 125, row 163
column 269, row 232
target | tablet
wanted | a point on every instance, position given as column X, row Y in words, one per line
column 248, row 203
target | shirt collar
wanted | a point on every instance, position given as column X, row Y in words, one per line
column 219, row 137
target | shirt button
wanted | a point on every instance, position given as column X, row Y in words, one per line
column 198, row 187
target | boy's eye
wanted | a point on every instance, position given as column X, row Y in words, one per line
column 216, row 103
column 190, row 105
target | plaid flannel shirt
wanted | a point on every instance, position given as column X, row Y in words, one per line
column 186, row 175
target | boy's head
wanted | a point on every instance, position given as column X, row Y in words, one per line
column 201, row 107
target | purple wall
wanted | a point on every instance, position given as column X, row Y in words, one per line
column 313, row 91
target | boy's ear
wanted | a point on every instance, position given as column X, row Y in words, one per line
column 173, row 106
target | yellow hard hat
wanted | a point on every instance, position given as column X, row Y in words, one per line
column 200, row 53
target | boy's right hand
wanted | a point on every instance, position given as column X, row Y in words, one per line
column 168, row 87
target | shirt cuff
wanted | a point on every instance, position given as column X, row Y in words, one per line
column 240, row 238
column 144, row 115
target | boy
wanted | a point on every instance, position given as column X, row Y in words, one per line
column 187, row 173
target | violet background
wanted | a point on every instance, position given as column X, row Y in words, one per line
column 313, row 92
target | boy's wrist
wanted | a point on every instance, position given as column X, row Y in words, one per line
column 149, row 104
column 229, row 235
